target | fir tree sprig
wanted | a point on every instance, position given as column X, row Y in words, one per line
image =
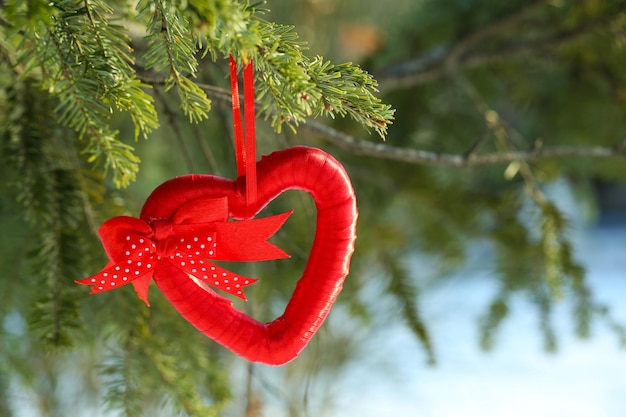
column 221, row 25
column 180, row 383
column 55, row 257
column 171, row 47
column 121, row 378
column 83, row 60
column 404, row 289
column 347, row 89
column 292, row 86
column 124, row 90
column 48, row 191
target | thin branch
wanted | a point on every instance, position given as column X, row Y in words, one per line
column 205, row 149
column 521, row 48
column 503, row 25
column 173, row 122
column 435, row 64
column 477, row 145
column 361, row 146
column 414, row 156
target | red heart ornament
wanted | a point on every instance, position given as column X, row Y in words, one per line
column 277, row 342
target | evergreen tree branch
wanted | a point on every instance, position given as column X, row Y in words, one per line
column 292, row 86
column 360, row 146
column 406, row 292
column 83, row 113
column 172, row 119
column 180, row 383
column 171, row 47
column 618, row 328
column 469, row 52
column 56, row 257
column 555, row 248
column 82, row 59
column 471, row 158
column 120, row 377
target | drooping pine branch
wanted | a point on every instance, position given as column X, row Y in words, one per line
column 121, row 379
column 171, row 47
column 492, row 42
column 294, row 86
column 83, row 60
column 124, row 90
column 403, row 288
column 82, row 57
column 180, row 383
column 55, row 258
column 360, row 146
column 50, row 199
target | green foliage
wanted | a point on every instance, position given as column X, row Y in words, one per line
column 79, row 51
column 171, row 47
column 4, row 389
column 72, row 50
column 81, row 81
column 298, row 87
column 144, row 370
column 402, row 287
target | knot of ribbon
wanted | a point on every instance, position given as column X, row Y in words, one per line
column 199, row 231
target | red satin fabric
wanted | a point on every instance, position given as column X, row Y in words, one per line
column 197, row 232
column 307, row 169
column 245, row 145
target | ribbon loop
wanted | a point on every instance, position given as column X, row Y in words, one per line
column 245, row 145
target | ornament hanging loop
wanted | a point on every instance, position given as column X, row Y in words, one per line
column 245, row 134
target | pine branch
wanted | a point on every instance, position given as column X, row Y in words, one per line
column 293, row 86
column 406, row 292
column 51, row 201
column 614, row 325
column 124, row 90
column 413, row 156
column 120, row 378
column 491, row 321
column 82, row 60
column 180, row 383
column 171, row 47
column 55, row 259
column 470, row 51
column 359, row 146
column 545, row 303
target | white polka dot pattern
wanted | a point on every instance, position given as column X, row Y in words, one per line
column 190, row 253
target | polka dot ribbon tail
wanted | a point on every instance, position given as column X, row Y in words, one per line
column 198, row 233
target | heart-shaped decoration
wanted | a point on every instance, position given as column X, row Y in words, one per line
column 178, row 233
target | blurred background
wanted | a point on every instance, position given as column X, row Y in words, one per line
column 489, row 271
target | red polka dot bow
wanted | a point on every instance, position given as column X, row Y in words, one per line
column 197, row 232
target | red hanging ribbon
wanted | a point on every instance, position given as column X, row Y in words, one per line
column 245, row 145
column 198, row 231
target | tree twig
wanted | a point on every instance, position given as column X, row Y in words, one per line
column 414, row 156
column 173, row 122
column 464, row 53
column 361, row 146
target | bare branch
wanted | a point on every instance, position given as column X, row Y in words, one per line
column 178, row 135
column 464, row 54
column 496, row 27
column 415, row 156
